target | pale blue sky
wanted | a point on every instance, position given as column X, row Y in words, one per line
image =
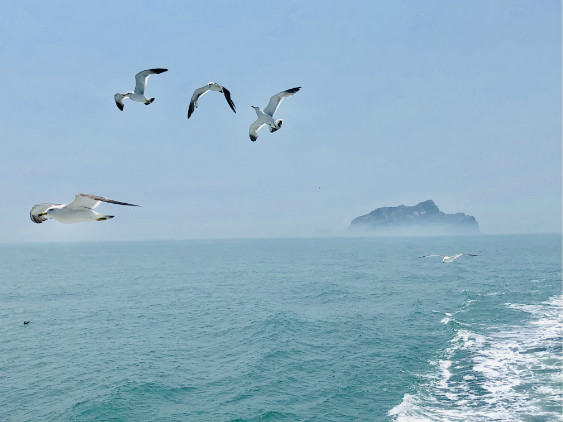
column 401, row 101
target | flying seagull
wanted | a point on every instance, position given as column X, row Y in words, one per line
column 79, row 210
column 266, row 116
column 447, row 259
column 140, row 84
column 204, row 89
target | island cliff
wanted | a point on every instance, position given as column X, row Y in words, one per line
column 424, row 218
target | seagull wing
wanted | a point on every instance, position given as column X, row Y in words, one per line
column 426, row 256
column 119, row 100
column 470, row 254
column 254, row 128
column 37, row 209
column 277, row 99
column 193, row 102
column 141, row 79
column 86, row 200
column 227, row 94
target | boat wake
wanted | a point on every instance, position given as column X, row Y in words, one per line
column 509, row 374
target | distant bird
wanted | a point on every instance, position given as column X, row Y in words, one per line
column 26, row 323
column 140, row 84
column 79, row 210
column 447, row 259
column 266, row 116
column 211, row 86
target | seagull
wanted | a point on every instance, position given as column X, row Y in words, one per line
column 79, row 210
column 140, row 84
column 213, row 87
column 266, row 116
column 26, row 323
column 447, row 259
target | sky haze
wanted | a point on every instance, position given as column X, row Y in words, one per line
column 404, row 101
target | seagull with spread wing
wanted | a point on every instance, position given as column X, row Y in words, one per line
column 138, row 94
column 447, row 259
column 266, row 116
column 211, row 86
column 78, row 211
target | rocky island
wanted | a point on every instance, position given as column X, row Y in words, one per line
column 424, row 218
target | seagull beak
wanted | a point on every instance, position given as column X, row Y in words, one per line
column 41, row 214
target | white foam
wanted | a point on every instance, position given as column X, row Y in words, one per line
column 445, row 373
column 404, row 412
column 501, row 375
column 450, row 318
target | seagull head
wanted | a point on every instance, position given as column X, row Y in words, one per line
column 46, row 212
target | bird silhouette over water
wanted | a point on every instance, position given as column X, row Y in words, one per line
column 447, row 259
column 26, row 323
column 79, row 210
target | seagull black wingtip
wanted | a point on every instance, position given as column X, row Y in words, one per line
column 227, row 95
column 35, row 219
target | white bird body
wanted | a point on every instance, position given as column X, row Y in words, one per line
column 215, row 87
column 266, row 116
column 446, row 259
column 78, row 211
column 67, row 216
column 138, row 98
column 138, row 95
column 263, row 117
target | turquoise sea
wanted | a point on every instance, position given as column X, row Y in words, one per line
column 343, row 329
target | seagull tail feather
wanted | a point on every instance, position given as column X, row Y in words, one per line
column 277, row 127
column 104, row 217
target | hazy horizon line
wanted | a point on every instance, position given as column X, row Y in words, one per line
column 238, row 238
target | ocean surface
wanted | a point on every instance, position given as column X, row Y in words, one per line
column 344, row 329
